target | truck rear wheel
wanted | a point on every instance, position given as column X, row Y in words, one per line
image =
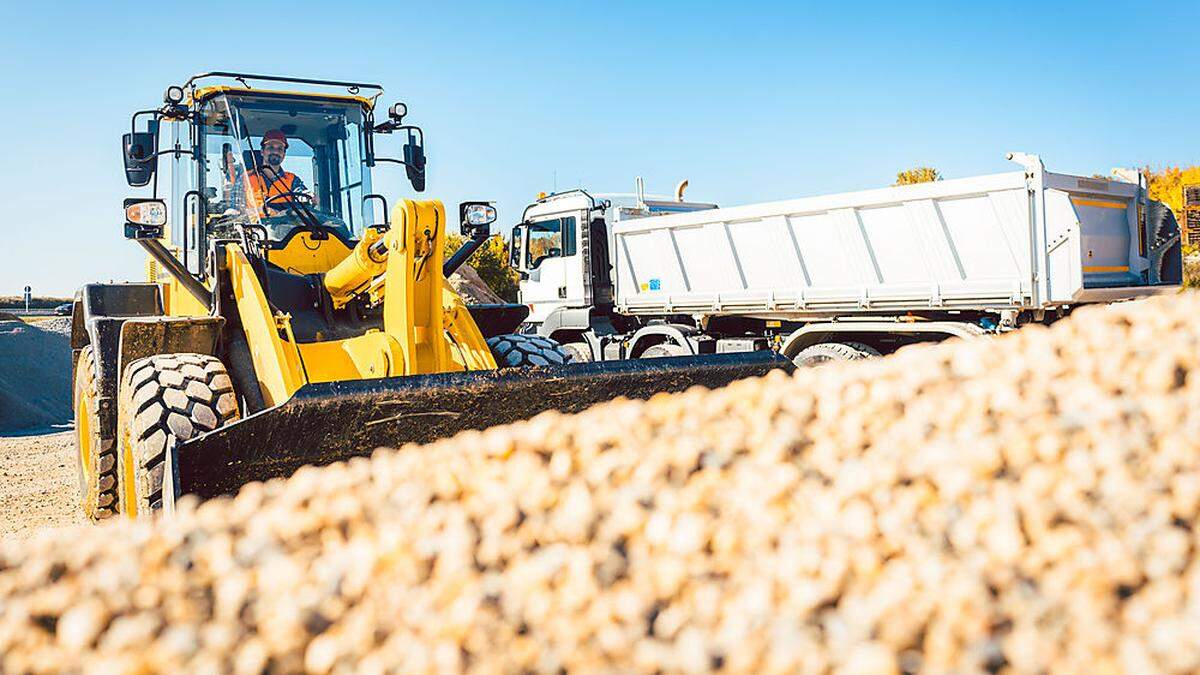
column 97, row 456
column 825, row 352
column 522, row 351
column 165, row 400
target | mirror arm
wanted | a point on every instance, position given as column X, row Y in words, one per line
column 172, row 151
column 399, row 161
column 133, row 119
column 478, row 237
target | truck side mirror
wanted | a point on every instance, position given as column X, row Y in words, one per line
column 414, row 162
column 138, row 150
column 514, row 247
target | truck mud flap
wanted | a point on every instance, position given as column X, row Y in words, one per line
column 334, row 421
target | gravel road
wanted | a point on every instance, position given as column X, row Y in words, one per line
column 40, row 488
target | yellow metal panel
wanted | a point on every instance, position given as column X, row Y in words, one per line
column 353, row 275
column 177, row 301
column 204, row 93
column 305, row 255
column 1116, row 268
column 412, row 309
column 468, row 348
column 276, row 361
column 1098, row 203
column 364, row 357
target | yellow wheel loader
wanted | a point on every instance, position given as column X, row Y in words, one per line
column 289, row 316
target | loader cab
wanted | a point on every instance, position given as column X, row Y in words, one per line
column 315, row 194
column 203, row 153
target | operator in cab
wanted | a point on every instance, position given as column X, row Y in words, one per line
column 270, row 188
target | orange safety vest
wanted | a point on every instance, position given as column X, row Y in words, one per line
column 258, row 191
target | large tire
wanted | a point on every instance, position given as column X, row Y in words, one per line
column 866, row 349
column 663, row 350
column 96, row 455
column 523, row 351
column 165, row 400
column 579, row 352
column 825, row 352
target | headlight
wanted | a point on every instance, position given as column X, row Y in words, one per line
column 481, row 214
column 173, row 95
column 152, row 213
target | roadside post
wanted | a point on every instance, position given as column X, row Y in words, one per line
column 27, row 290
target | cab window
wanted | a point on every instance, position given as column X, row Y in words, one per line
column 550, row 239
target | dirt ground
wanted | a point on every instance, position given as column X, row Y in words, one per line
column 41, row 486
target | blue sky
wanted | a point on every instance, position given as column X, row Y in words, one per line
column 750, row 101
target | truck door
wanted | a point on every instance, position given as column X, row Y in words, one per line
column 550, row 248
column 598, row 263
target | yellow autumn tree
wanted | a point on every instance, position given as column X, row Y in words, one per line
column 1167, row 185
column 917, row 174
column 491, row 262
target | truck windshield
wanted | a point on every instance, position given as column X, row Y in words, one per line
column 273, row 160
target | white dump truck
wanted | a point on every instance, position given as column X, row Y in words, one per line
column 839, row 276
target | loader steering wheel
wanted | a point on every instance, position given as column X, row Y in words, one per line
column 299, row 196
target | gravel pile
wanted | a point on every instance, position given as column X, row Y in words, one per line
column 1026, row 503
column 35, row 375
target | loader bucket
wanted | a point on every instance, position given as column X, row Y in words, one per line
column 329, row 422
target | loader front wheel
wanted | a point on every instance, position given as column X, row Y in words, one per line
column 523, row 351
column 97, row 455
column 165, row 400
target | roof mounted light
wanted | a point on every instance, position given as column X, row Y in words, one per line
column 397, row 111
column 173, row 95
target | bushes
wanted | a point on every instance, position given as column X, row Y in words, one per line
column 491, row 262
column 918, row 174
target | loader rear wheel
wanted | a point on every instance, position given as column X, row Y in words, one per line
column 825, row 352
column 97, row 455
column 165, row 400
column 523, row 351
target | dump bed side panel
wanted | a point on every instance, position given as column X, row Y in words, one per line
column 962, row 243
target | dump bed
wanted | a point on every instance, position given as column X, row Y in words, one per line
column 1023, row 240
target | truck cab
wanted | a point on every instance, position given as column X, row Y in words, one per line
column 561, row 249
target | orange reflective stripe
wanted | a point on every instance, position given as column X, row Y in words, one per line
column 259, row 192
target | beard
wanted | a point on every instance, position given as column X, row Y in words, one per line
column 274, row 161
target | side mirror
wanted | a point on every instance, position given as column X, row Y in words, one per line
column 515, row 245
column 138, row 149
column 414, row 162
column 145, row 218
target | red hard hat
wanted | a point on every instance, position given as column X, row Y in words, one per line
column 274, row 135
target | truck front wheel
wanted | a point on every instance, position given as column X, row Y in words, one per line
column 825, row 352
column 663, row 350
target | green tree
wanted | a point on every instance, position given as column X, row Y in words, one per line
column 491, row 262
column 917, row 174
